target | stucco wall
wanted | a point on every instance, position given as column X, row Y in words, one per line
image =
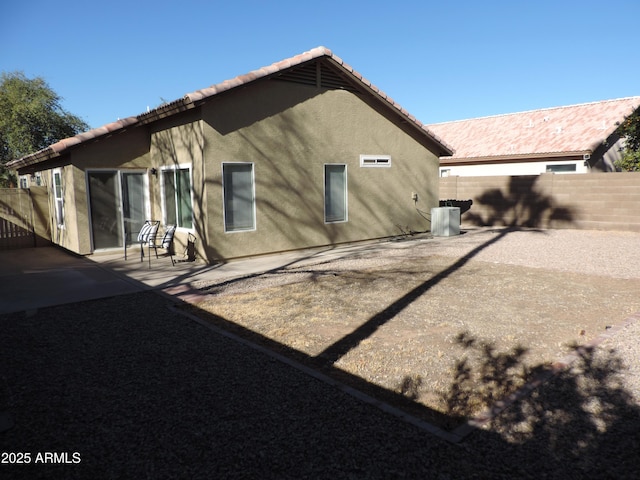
column 599, row 201
column 128, row 150
column 290, row 132
column 174, row 142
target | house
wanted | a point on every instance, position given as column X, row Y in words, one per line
column 301, row 153
column 571, row 139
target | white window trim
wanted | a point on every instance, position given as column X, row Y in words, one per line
column 180, row 166
column 375, row 161
column 59, row 212
column 561, row 167
column 346, row 194
column 253, row 193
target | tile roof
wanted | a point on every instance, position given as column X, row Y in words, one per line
column 193, row 99
column 574, row 129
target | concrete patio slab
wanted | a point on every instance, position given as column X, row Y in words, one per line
column 33, row 278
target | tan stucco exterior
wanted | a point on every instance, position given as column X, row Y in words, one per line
column 127, row 151
column 288, row 131
column 289, row 148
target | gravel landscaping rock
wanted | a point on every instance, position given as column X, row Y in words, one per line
column 139, row 390
column 395, row 314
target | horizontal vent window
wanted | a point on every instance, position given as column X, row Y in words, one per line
column 375, row 160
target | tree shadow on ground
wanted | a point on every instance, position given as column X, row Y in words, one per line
column 160, row 397
column 578, row 418
column 559, row 420
column 522, row 207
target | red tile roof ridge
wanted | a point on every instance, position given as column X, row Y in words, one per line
column 259, row 73
column 190, row 99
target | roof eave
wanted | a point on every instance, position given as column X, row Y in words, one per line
column 523, row 157
column 63, row 146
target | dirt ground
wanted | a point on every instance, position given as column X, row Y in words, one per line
column 453, row 336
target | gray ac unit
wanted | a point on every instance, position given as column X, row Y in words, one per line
column 445, row 221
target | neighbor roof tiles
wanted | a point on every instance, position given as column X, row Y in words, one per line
column 550, row 131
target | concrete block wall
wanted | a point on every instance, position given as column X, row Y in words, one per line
column 596, row 201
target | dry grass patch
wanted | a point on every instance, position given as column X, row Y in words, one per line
column 485, row 326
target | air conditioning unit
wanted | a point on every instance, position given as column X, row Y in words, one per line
column 445, row 221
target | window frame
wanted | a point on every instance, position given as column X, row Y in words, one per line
column 345, row 195
column 375, row 161
column 58, row 196
column 174, row 169
column 254, row 225
column 561, row 168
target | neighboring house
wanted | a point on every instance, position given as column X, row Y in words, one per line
column 298, row 154
column 571, row 139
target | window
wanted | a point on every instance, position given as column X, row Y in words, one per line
column 561, row 168
column 239, row 197
column 335, row 193
column 58, row 196
column 375, row 160
column 176, row 183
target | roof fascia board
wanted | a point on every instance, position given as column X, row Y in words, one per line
column 520, row 158
column 63, row 146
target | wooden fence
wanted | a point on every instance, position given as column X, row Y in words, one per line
column 21, row 224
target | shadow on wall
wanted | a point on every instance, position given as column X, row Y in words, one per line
column 522, row 205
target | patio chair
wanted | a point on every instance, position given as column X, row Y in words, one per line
column 165, row 244
column 149, row 228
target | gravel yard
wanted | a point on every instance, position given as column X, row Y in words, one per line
column 131, row 388
column 410, row 316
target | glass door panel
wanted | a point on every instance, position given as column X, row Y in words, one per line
column 106, row 216
column 133, row 204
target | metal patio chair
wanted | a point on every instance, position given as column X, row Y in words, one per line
column 165, row 244
column 149, row 229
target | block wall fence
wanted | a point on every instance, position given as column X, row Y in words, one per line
column 595, row 201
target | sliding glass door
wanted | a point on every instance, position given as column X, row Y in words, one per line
column 118, row 206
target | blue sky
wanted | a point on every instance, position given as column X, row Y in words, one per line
column 440, row 60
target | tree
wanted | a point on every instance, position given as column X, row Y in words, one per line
column 31, row 118
column 630, row 131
